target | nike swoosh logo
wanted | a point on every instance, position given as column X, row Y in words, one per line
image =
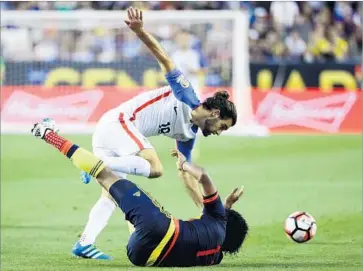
column 176, row 113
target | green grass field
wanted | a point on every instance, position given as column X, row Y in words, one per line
column 44, row 205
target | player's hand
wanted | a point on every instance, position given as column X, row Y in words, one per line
column 134, row 21
column 233, row 197
column 39, row 130
column 181, row 158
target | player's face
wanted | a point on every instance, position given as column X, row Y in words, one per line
column 216, row 126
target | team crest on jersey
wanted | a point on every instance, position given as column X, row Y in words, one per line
column 183, row 81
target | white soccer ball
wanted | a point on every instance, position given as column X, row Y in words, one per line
column 300, row 227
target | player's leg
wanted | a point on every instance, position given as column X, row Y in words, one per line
column 118, row 145
column 99, row 214
column 102, row 211
column 88, row 162
column 154, row 229
column 85, row 161
column 98, row 218
column 132, row 152
column 142, row 211
column 146, row 163
column 94, row 166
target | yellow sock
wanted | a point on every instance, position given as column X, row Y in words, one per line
column 81, row 158
column 87, row 162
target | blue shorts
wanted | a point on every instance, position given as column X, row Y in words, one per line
column 151, row 222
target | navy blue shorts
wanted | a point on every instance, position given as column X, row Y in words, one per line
column 150, row 220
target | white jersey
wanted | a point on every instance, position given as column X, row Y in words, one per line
column 156, row 112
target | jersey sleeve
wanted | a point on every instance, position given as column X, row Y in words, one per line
column 182, row 89
column 186, row 148
column 214, row 207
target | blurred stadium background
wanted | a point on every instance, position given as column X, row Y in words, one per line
column 293, row 69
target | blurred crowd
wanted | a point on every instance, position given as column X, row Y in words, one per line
column 306, row 31
column 279, row 31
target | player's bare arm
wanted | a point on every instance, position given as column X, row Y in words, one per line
column 190, row 183
column 208, row 188
column 136, row 24
column 192, row 187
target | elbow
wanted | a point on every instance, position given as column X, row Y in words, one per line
column 167, row 64
column 204, row 175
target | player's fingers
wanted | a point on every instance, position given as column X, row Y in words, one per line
column 240, row 192
column 234, row 191
column 127, row 22
column 140, row 15
column 132, row 11
column 137, row 14
column 129, row 14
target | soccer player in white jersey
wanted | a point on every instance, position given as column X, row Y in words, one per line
column 120, row 138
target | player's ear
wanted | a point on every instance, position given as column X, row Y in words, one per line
column 215, row 113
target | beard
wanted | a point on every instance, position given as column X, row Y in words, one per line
column 207, row 131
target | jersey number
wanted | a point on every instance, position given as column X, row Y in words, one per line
column 164, row 128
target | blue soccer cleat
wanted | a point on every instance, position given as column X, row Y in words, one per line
column 89, row 252
column 86, row 178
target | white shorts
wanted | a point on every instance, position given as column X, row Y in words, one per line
column 114, row 138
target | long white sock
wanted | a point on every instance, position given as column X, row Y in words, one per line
column 97, row 220
column 131, row 164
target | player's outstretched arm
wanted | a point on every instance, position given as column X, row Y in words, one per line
column 208, row 188
column 136, row 24
column 192, row 187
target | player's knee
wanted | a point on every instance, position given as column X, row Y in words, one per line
column 106, row 178
column 156, row 168
column 104, row 175
column 156, row 171
column 106, row 194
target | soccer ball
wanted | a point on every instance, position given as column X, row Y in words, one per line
column 300, row 227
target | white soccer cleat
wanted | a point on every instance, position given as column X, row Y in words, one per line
column 41, row 129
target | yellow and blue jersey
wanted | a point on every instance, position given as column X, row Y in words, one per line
column 200, row 241
column 162, row 240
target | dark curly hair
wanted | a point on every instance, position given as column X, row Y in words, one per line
column 236, row 232
column 220, row 101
